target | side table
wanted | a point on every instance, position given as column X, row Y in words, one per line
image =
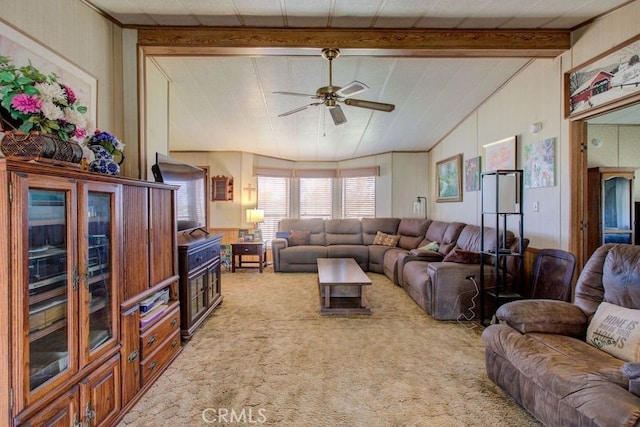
column 255, row 249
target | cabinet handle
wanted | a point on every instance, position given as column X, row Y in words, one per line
column 153, row 366
column 174, row 343
column 174, row 322
column 133, row 356
column 91, row 414
column 152, row 340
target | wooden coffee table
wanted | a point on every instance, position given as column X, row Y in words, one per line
column 341, row 283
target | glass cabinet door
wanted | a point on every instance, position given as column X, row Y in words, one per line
column 98, row 207
column 197, row 289
column 617, row 212
column 50, row 271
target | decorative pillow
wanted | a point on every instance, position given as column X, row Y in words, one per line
column 299, row 237
column 282, row 234
column 462, row 257
column 433, row 246
column 386, row 239
column 616, row 330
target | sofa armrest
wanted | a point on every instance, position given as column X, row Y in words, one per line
column 424, row 255
column 277, row 244
column 546, row 316
column 632, row 371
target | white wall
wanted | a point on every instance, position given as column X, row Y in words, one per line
column 620, row 147
column 534, row 95
column 82, row 36
column 156, row 116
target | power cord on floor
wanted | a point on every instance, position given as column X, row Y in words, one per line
column 464, row 319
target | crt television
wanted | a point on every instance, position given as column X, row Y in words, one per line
column 190, row 196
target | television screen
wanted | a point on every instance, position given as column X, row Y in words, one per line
column 190, row 196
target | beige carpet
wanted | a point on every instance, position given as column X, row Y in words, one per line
column 267, row 357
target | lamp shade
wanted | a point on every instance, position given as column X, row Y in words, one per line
column 255, row 216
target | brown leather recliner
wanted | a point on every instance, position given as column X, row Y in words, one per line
column 539, row 355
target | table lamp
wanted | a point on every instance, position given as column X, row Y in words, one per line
column 255, row 216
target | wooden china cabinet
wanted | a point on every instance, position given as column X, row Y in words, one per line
column 63, row 355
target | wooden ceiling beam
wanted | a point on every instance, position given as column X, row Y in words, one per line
column 392, row 42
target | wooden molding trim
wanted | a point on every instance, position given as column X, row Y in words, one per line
column 397, row 42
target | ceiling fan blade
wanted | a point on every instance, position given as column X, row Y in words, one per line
column 380, row 106
column 353, row 88
column 295, row 110
column 296, row 94
column 337, row 115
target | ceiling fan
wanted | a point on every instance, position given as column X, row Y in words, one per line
column 331, row 95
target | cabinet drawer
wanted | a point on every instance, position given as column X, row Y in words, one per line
column 157, row 361
column 158, row 333
column 249, row 250
column 203, row 255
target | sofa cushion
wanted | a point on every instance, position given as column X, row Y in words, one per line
column 360, row 253
column 462, row 257
column 412, row 231
column 346, row 231
column 302, row 255
column 546, row 316
column 445, row 233
column 616, row 330
column 315, row 225
column 470, row 236
column 371, row 226
column 299, row 237
column 620, row 270
column 385, row 239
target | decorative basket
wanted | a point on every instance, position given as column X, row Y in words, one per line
column 38, row 146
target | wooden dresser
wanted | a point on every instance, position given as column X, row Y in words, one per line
column 83, row 251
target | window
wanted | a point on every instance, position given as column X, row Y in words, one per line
column 316, row 197
column 359, row 197
column 273, row 198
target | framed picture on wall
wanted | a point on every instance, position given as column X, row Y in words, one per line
column 502, row 154
column 604, row 80
column 472, row 174
column 449, row 179
column 23, row 50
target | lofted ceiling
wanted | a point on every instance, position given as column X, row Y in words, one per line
column 226, row 102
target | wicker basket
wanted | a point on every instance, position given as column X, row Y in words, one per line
column 38, row 146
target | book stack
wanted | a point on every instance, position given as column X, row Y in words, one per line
column 153, row 307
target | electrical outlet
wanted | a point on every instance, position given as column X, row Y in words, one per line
column 536, row 206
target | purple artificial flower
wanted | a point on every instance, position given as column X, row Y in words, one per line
column 26, row 104
column 71, row 95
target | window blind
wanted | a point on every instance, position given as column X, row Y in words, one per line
column 316, row 195
column 273, row 198
column 359, row 197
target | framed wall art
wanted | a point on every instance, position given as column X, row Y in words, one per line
column 24, row 50
column 606, row 79
column 449, row 179
column 501, row 154
column 539, row 164
column 472, row 174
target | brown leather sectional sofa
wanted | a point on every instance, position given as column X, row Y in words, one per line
column 440, row 288
column 542, row 354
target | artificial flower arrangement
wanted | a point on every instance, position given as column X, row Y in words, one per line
column 38, row 102
column 33, row 101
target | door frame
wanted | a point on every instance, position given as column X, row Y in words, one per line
column 578, row 165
